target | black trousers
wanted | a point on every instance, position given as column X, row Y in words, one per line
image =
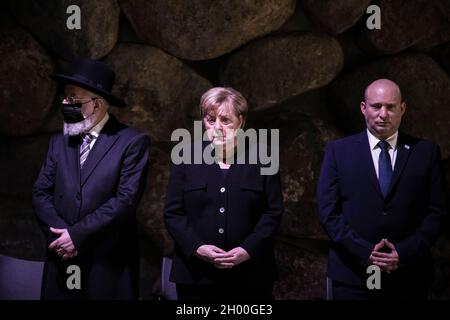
column 225, row 291
column 98, row 282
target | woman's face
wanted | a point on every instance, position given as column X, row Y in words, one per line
column 221, row 125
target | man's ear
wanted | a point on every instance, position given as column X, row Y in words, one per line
column 97, row 103
column 403, row 107
column 101, row 104
column 362, row 107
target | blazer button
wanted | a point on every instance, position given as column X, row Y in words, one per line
column 78, row 196
column 222, row 189
column 221, row 231
column 222, row 210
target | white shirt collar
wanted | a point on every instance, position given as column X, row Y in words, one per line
column 95, row 131
column 373, row 141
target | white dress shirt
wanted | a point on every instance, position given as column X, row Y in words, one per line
column 95, row 131
column 375, row 150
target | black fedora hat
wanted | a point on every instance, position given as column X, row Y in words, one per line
column 92, row 75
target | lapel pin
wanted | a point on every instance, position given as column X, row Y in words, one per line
column 406, row 146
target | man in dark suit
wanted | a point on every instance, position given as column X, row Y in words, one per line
column 86, row 195
column 381, row 200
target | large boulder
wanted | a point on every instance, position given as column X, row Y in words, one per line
column 441, row 282
column 23, row 158
column 47, row 21
column 273, row 69
column 425, row 88
column 353, row 53
column 440, row 250
column 201, row 29
column 162, row 93
column 301, row 269
column 27, row 92
column 335, row 16
column 151, row 208
column 407, row 23
column 446, row 166
column 445, row 57
column 301, row 149
column 299, row 21
column 54, row 121
column 20, row 234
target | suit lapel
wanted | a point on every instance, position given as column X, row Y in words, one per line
column 367, row 161
column 213, row 170
column 403, row 152
column 73, row 158
column 104, row 142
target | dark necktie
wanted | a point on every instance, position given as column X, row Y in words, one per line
column 384, row 167
column 85, row 148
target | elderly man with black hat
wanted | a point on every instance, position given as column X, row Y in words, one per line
column 87, row 192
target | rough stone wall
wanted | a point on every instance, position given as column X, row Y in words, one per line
column 302, row 65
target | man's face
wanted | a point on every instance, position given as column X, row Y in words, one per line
column 383, row 110
column 90, row 109
column 80, row 95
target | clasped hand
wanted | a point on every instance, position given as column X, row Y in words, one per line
column 221, row 258
column 63, row 246
column 387, row 262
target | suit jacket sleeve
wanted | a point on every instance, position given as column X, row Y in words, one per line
column 42, row 194
column 174, row 214
column 413, row 248
column 330, row 211
column 260, row 240
column 125, row 201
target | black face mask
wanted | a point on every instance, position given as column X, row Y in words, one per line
column 72, row 112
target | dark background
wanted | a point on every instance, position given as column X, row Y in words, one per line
column 302, row 65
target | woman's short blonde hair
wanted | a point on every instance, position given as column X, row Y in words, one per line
column 229, row 98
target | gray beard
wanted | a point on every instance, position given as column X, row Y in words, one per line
column 75, row 129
